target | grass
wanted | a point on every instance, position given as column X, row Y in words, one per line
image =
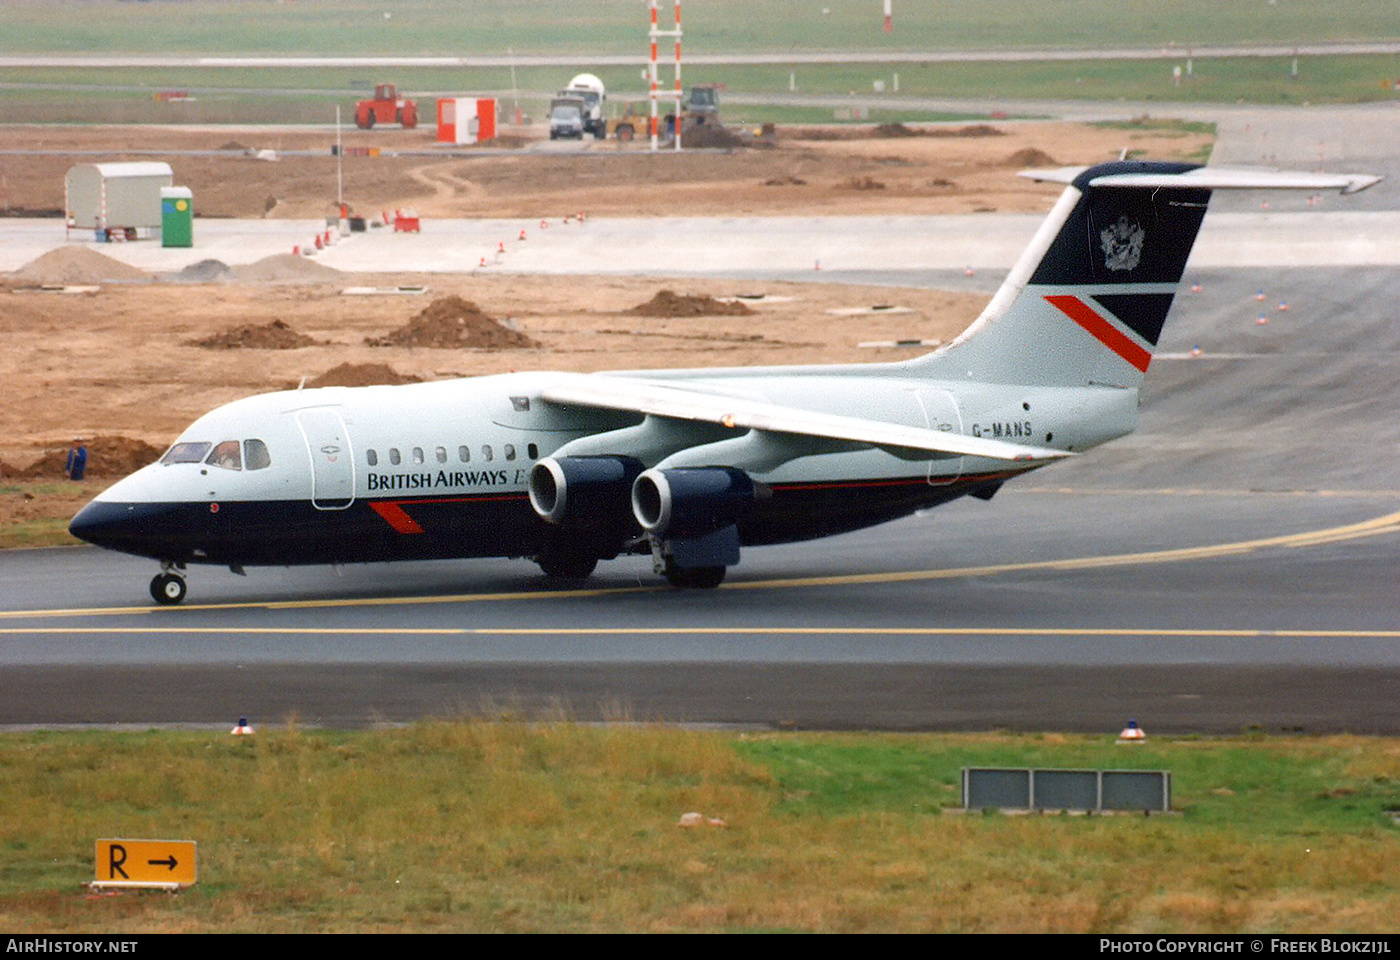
column 35, row 513
column 509, row 826
column 449, row 27
column 585, row 30
column 302, row 96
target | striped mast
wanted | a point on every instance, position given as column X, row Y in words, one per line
column 653, row 74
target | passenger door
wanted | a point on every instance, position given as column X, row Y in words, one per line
column 332, row 459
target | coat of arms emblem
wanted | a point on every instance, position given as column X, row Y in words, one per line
column 1122, row 244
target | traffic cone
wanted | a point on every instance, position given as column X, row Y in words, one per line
column 522, row 234
column 318, row 241
column 501, row 247
column 544, row 224
column 242, row 730
column 1132, row 733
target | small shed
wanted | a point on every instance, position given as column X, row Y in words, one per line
column 466, row 119
column 116, row 199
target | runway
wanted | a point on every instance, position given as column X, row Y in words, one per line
column 1064, row 609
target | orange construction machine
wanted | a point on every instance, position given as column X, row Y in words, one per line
column 386, row 107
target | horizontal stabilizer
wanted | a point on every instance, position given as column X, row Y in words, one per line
column 1212, row 178
column 683, row 403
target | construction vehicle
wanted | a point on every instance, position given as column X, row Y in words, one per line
column 386, row 107
column 703, row 104
column 699, row 108
column 578, row 109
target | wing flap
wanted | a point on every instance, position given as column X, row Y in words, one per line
column 740, row 413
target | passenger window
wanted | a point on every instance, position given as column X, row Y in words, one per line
column 486, row 452
column 255, row 455
column 417, row 454
column 510, row 451
column 463, row 454
column 394, row 456
column 441, row 454
column 372, row 458
column 226, row 456
column 533, row 451
column 185, row 453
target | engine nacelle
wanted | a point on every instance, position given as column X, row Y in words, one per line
column 582, row 490
column 687, row 502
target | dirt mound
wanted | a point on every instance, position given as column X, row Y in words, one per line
column 361, row 375
column 712, row 136
column 107, row 457
column 889, row 131
column 886, row 130
column 77, row 264
column 669, row 304
column 975, row 130
column 273, row 335
column 453, row 323
column 287, row 268
column 862, row 183
column 1031, row 157
column 205, row 271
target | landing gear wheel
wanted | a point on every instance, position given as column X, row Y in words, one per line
column 694, row 578
column 167, row 588
column 563, row 565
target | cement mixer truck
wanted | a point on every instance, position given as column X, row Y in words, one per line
column 577, row 110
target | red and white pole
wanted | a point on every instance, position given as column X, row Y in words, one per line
column 889, row 16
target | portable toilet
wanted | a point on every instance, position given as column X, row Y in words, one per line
column 117, row 200
column 176, row 217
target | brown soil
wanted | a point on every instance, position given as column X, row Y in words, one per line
column 109, row 457
column 413, row 170
column 359, row 375
column 669, row 304
column 451, row 323
column 118, row 366
column 274, row 335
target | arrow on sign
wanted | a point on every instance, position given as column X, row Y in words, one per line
column 169, row 863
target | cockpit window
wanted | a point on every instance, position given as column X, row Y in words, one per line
column 226, row 455
column 255, row 455
column 185, row 453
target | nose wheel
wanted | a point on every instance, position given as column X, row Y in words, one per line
column 168, row 588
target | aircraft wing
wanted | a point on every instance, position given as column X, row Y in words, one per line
column 684, row 403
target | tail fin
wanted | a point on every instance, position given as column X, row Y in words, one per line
column 1086, row 302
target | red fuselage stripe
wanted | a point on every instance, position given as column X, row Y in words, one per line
column 1101, row 330
column 394, row 515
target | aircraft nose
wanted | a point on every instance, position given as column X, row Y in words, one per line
column 129, row 527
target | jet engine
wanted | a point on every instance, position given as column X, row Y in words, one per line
column 582, row 491
column 688, row 502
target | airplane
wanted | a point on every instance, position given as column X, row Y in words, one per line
column 692, row 465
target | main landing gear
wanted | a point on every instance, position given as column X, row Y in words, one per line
column 168, row 587
column 561, row 563
column 693, row 578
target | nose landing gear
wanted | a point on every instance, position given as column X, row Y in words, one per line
column 168, row 587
